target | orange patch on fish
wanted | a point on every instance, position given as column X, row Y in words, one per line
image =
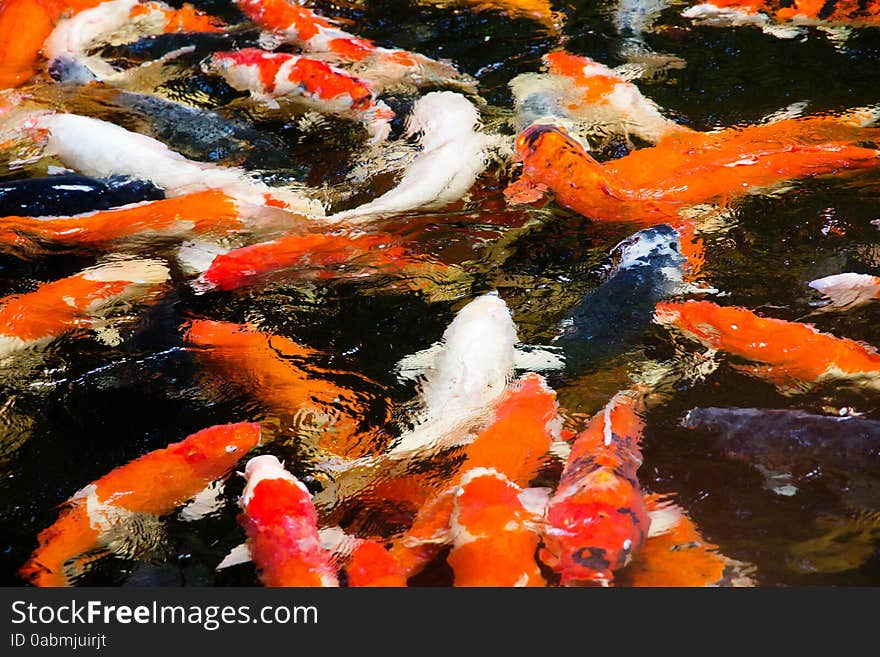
column 370, row 564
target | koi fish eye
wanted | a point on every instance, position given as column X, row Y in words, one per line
column 231, row 449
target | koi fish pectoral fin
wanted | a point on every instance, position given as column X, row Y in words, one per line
column 524, row 191
column 236, row 556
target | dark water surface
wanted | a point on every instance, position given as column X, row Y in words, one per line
column 80, row 407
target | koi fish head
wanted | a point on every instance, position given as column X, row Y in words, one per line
column 441, row 115
column 272, row 492
column 658, row 247
column 214, row 451
column 590, row 538
column 541, row 145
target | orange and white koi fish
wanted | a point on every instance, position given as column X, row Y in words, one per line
column 515, row 444
column 676, row 554
column 153, row 484
column 282, row 527
column 784, row 351
column 36, row 318
column 453, row 154
column 318, row 253
column 201, row 213
column 588, row 92
column 24, row 27
column 316, row 84
column 651, row 185
column 493, row 533
column 597, row 518
column 319, row 36
column 119, row 21
column 782, row 18
column 848, row 290
column 98, row 148
column 277, row 372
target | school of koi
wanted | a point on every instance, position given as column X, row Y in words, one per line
column 487, row 468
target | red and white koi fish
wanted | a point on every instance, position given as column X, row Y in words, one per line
column 493, row 533
column 651, row 185
column 322, row 255
column 282, row 527
column 211, row 212
column 36, row 318
column 589, row 92
column 453, row 153
column 676, row 554
column 787, row 352
column 316, row 84
column 515, row 444
column 120, row 21
column 153, row 484
column 316, row 35
column 276, row 371
column 848, row 290
column 782, row 18
column 24, row 27
column 98, row 148
column 597, row 518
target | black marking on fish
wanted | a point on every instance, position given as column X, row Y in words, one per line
column 68, row 194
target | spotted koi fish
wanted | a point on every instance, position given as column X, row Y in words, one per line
column 277, row 372
column 316, row 84
column 282, row 527
column 651, row 185
column 597, row 518
column 494, row 537
column 317, row 35
column 154, row 484
column 193, row 214
column 36, row 318
column 127, row 20
column 791, row 354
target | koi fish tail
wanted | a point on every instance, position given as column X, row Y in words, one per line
column 69, row 538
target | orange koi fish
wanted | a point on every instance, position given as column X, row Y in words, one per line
column 540, row 11
column 315, row 83
column 316, row 35
column 193, row 214
column 120, row 21
column 154, row 484
column 515, row 444
column 36, row 318
column 786, row 350
column 493, row 540
column 675, row 554
column 282, row 527
column 848, row 290
column 370, row 564
column 651, row 185
column 277, row 371
column 24, row 26
column 313, row 251
column 782, row 17
column 597, row 518
column 601, row 96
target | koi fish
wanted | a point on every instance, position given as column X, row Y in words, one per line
column 453, row 155
column 316, row 84
column 515, row 443
column 597, row 518
column 540, row 11
column 370, row 564
column 785, row 350
column 98, row 148
column 651, row 185
column 73, row 193
column 610, row 319
column 316, row 35
column 782, row 18
column 281, row 526
column 36, row 318
column 675, row 554
column 151, row 485
column 848, row 290
column 277, row 372
column 200, row 213
column 493, row 536
column 318, row 253
column 74, row 37
column 24, row 26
